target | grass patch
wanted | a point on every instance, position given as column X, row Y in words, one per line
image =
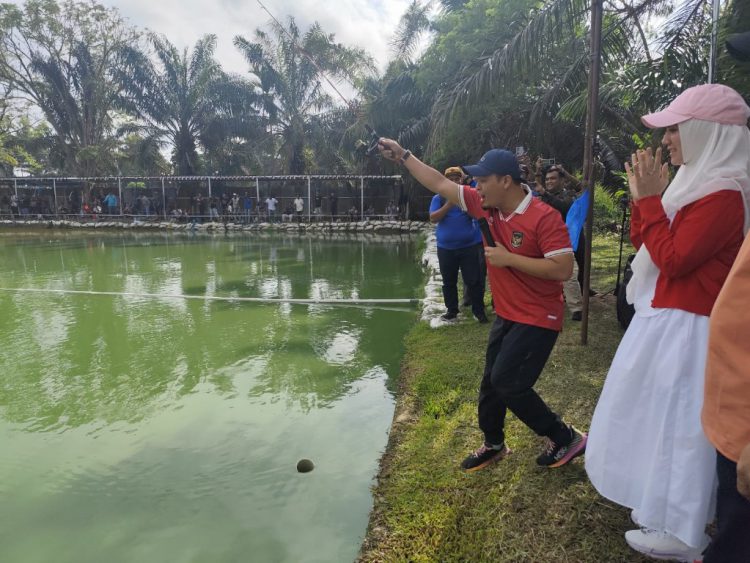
column 605, row 252
column 426, row 509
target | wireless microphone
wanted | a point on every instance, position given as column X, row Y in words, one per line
column 485, row 228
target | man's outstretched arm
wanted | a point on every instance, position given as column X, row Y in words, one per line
column 424, row 174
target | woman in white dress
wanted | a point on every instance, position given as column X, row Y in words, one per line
column 646, row 449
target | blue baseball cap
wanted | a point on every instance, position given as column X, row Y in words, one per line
column 495, row 161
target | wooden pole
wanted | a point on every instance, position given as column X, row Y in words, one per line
column 361, row 199
column 712, row 62
column 588, row 152
column 119, row 193
column 309, row 200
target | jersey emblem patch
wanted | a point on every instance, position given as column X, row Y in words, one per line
column 517, row 239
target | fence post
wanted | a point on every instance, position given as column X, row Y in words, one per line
column 257, row 198
column 309, row 200
column 163, row 199
column 15, row 188
column 362, row 198
column 209, row 191
column 54, row 195
column 119, row 193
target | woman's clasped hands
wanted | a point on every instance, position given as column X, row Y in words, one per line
column 647, row 175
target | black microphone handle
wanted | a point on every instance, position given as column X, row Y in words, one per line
column 485, row 228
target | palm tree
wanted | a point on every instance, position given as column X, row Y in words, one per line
column 77, row 98
column 137, row 156
column 291, row 69
column 60, row 57
column 187, row 100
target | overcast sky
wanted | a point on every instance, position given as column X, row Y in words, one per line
column 364, row 23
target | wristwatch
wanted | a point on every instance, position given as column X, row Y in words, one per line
column 405, row 156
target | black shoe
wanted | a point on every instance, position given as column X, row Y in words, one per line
column 576, row 316
column 481, row 458
column 482, row 318
column 449, row 316
column 556, row 455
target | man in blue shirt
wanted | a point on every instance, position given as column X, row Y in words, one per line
column 111, row 203
column 459, row 244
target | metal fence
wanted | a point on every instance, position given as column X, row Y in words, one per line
column 243, row 199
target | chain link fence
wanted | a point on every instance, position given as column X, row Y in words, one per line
column 240, row 199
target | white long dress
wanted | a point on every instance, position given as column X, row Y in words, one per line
column 646, row 448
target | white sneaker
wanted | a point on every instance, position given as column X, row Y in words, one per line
column 634, row 517
column 661, row 545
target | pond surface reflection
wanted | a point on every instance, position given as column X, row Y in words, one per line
column 141, row 428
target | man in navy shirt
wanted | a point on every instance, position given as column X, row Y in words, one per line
column 459, row 244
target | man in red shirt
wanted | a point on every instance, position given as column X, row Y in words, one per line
column 532, row 258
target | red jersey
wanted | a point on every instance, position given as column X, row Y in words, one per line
column 694, row 252
column 535, row 230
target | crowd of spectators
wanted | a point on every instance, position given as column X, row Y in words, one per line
column 146, row 204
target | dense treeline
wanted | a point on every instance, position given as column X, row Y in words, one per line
column 87, row 94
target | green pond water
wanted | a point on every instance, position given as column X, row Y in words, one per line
column 165, row 430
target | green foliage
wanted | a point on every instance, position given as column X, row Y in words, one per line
column 643, row 140
column 7, row 159
column 524, row 67
column 140, row 156
column 607, row 211
column 734, row 73
column 63, row 58
column 21, row 143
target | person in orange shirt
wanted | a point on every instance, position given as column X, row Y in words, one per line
column 726, row 412
column 726, row 408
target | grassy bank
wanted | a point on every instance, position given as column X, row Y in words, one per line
column 426, row 509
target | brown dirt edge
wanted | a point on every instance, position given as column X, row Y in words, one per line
column 404, row 416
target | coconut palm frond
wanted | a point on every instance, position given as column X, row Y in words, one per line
column 543, row 32
column 690, row 16
column 411, row 27
column 448, row 6
column 415, row 134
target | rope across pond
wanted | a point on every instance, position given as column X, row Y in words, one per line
column 338, row 302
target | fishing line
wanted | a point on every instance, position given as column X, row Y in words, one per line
column 360, row 303
column 306, row 55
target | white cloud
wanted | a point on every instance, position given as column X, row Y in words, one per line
column 368, row 24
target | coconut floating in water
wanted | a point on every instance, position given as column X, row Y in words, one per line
column 305, row 466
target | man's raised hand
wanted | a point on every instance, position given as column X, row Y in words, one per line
column 390, row 149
